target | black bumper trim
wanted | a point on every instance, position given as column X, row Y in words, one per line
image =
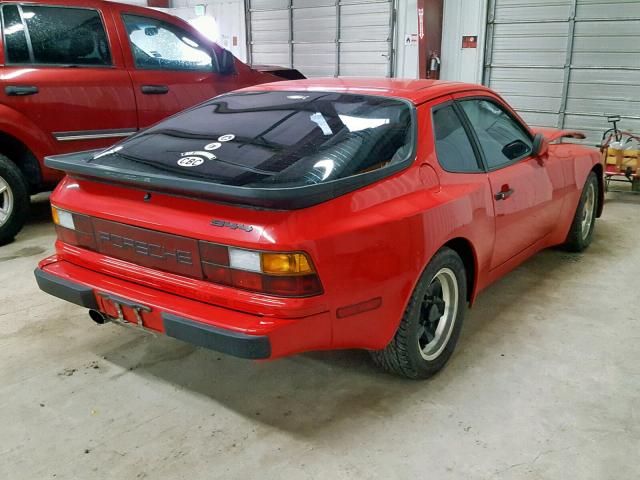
column 221, row 340
column 66, row 290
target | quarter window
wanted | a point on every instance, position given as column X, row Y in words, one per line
column 158, row 45
column 453, row 147
column 36, row 34
column 503, row 140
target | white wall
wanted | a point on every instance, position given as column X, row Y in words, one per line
column 230, row 17
column 463, row 17
column 406, row 60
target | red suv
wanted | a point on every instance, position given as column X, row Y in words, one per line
column 78, row 75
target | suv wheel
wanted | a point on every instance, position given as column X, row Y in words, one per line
column 14, row 200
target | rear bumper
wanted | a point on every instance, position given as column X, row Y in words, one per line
column 228, row 331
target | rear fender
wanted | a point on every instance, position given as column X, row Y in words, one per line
column 16, row 125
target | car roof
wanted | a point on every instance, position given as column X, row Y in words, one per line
column 416, row 91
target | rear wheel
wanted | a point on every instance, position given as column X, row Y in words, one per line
column 584, row 220
column 14, row 200
column 430, row 327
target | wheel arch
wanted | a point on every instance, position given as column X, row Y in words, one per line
column 18, row 152
column 464, row 248
column 599, row 171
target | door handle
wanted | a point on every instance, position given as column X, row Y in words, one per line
column 20, row 91
column 154, row 89
column 504, row 194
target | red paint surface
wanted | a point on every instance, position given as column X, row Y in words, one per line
column 368, row 244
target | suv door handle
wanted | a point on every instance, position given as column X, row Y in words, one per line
column 504, row 194
column 154, row 89
column 20, row 91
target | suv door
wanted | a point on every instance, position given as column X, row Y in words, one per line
column 527, row 193
column 64, row 71
column 172, row 68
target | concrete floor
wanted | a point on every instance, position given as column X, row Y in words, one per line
column 545, row 384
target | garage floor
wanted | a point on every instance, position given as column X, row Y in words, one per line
column 545, row 384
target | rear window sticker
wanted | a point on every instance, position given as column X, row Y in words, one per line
column 190, row 161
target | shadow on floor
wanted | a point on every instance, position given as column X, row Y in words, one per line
column 313, row 392
column 308, row 393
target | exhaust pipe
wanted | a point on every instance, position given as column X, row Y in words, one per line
column 98, row 317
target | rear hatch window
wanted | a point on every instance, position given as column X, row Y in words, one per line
column 283, row 149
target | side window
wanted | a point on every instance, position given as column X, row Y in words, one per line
column 158, row 45
column 15, row 38
column 453, row 146
column 55, row 36
column 502, row 139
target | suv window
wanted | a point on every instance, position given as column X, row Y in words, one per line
column 159, row 45
column 502, row 138
column 15, row 38
column 453, row 147
column 55, row 36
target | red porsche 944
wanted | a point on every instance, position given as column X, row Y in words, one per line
column 318, row 214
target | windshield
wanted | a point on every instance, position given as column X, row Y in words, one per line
column 273, row 139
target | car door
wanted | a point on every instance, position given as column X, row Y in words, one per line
column 64, row 71
column 527, row 194
column 171, row 67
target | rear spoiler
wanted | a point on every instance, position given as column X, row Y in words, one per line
column 285, row 73
column 553, row 134
column 283, row 198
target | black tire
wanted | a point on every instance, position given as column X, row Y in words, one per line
column 580, row 236
column 11, row 177
column 405, row 355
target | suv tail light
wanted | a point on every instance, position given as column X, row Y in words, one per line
column 285, row 274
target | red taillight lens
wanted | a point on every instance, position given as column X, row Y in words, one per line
column 303, row 285
column 281, row 274
column 74, row 229
column 214, row 254
column 216, row 273
column 285, row 274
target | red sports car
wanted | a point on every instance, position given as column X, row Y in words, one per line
column 318, row 214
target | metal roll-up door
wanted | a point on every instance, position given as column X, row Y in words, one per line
column 323, row 37
column 566, row 63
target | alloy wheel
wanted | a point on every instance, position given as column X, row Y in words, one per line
column 438, row 314
column 588, row 210
column 6, row 201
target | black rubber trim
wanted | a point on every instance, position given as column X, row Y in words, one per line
column 66, row 290
column 221, row 340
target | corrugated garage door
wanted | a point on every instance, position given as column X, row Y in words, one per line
column 566, row 63
column 303, row 34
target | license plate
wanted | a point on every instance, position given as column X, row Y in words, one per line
column 120, row 303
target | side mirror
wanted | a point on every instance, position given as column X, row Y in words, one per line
column 226, row 62
column 540, row 145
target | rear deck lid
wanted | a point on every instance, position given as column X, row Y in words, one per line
column 272, row 149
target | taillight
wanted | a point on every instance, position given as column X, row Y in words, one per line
column 285, row 274
column 289, row 274
column 73, row 228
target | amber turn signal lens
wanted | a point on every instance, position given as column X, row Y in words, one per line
column 286, row 264
column 54, row 214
